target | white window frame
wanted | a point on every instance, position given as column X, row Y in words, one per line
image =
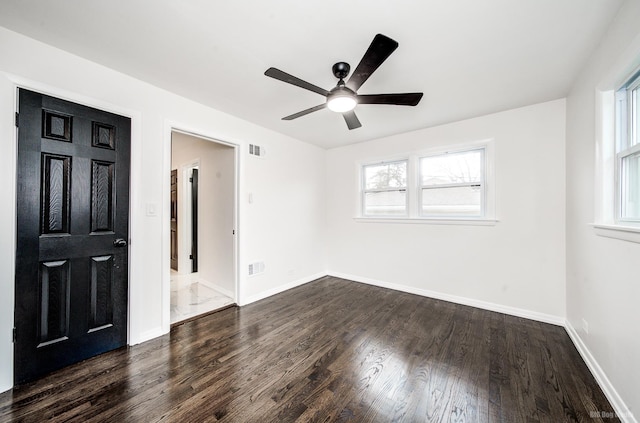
column 626, row 134
column 364, row 191
column 488, row 218
column 481, row 183
column 611, row 141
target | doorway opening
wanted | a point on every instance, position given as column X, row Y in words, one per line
column 202, row 242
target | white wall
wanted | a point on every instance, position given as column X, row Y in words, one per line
column 516, row 266
column 283, row 226
column 288, row 205
column 215, row 208
column 603, row 274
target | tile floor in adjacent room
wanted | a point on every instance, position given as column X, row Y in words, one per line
column 190, row 298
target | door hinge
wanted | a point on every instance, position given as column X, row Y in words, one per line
column 190, row 256
column 17, row 119
column 233, row 232
column 14, row 335
column 190, row 179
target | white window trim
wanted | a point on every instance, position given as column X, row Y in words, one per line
column 607, row 216
column 625, row 233
column 413, row 187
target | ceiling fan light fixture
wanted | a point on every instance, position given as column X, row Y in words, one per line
column 341, row 103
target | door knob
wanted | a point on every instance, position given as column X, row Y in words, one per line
column 120, row 243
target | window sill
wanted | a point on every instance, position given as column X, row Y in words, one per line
column 428, row 221
column 625, row 233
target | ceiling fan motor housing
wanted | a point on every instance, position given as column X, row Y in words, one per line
column 341, row 70
column 340, row 98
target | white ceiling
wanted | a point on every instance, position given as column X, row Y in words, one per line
column 469, row 57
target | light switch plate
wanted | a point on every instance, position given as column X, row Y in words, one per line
column 152, row 209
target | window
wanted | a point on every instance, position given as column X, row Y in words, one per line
column 385, row 189
column 628, row 151
column 452, row 184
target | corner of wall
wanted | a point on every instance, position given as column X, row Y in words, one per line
column 270, row 292
column 598, row 373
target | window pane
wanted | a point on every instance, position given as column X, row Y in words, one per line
column 387, row 175
column 385, row 203
column 631, row 187
column 452, row 201
column 451, row 168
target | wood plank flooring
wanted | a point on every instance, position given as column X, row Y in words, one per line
column 329, row 351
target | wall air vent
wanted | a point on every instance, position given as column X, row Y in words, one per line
column 256, row 268
column 256, row 150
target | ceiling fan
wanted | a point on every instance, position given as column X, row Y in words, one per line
column 343, row 98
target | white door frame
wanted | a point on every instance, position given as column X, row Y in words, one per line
column 135, row 223
column 171, row 127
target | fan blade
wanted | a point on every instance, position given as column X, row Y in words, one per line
column 305, row 112
column 352, row 120
column 290, row 79
column 381, row 47
column 406, row 99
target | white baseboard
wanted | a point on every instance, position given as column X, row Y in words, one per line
column 513, row 311
column 8, row 385
column 281, row 288
column 610, row 392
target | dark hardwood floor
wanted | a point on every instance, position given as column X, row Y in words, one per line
column 331, row 350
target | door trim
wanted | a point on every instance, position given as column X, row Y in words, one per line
column 81, row 255
column 169, row 127
column 135, row 222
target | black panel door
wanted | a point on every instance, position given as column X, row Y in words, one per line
column 194, row 220
column 72, row 231
column 174, row 219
